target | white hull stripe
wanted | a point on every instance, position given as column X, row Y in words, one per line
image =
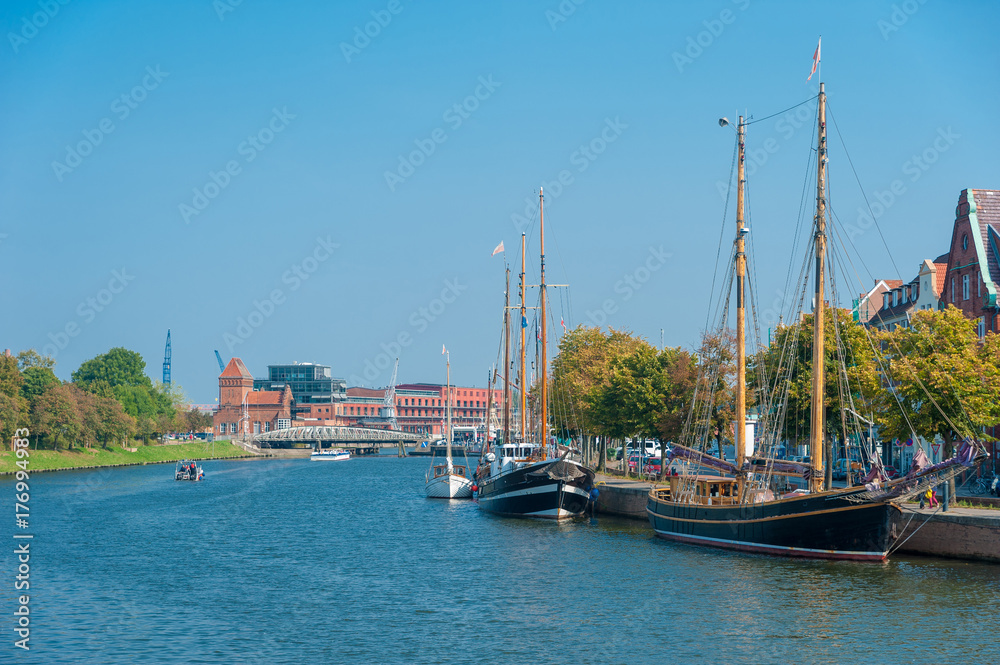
column 762, row 547
column 568, row 489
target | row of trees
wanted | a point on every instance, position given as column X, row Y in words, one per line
column 109, row 400
column 935, row 377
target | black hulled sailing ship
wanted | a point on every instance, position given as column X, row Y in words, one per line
column 521, row 477
column 732, row 505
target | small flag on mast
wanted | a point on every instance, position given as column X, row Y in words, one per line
column 498, row 249
column 563, row 324
column 443, row 350
column 815, row 59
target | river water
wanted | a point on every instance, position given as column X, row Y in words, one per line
column 291, row 561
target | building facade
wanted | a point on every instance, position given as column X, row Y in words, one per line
column 973, row 271
column 243, row 410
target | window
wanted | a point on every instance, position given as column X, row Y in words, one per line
column 982, row 327
column 965, row 287
column 256, row 428
column 885, row 301
column 965, row 242
column 284, row 423
column 267, row 427
column 222, row 428
column 906, row 293
column 952, row 289
column 979, row 285
column 895, row 298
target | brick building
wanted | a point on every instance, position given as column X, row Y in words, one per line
column 973, row 271
column 245, row 410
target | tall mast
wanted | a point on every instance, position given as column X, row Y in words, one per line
column 489, row 408
column 524, row 362
column 543, row 379
column 817, row 411
column 506, row 361
column 740, row 428
column 448, row 411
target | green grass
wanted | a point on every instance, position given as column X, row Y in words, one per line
column 77, row 457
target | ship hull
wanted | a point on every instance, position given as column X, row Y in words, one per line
column 823, row 526
column 525, row 492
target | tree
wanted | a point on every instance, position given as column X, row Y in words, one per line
column 716, row 387
column 851, row 374
column 11, row 416
column 118, row 367
column 943, row 380
column 31, row 358
column 36, row 380
column 56, row 415
column 10, row 376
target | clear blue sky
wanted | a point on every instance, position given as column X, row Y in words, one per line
column 329, row 121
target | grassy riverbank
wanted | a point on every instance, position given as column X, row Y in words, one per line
column 95, row 457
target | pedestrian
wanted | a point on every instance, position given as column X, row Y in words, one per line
column 922, row 499
column 933, row 498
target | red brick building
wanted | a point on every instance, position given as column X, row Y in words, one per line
column 265, row 410
column 973, row 272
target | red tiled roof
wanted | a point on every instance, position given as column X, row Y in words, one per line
column 236, row 370
column 264, row 397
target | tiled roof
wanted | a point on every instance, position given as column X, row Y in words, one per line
column 236, row 370
column 264, row 397
column 365, row 392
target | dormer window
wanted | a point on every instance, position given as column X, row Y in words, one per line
column 885, row 301
column 895, row 298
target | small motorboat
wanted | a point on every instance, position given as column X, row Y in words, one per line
column 331, row 455
column 188, row 470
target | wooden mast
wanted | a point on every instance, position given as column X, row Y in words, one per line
column 489, row 409
column 506, row 361
column 543, row 422
column 817, row 409
column 740, row 428
column 522, row 382
column 448, row 388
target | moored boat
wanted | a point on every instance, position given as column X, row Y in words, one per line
column 330, row 455
column 448, row 480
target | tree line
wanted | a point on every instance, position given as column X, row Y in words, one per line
column 109, row 400
column 932, row 377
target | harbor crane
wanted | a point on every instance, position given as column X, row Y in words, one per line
column 222, row 366
column 166, row 361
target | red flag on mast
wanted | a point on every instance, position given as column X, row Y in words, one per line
column 815, row 59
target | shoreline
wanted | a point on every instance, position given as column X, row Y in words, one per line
column 44, row 461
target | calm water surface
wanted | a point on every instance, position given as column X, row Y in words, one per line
column 274, row 561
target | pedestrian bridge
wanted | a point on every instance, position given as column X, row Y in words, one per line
column 361, row 440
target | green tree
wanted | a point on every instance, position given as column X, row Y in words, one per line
column 118, row 367
column 31, row 358
column 10, row 376
column 944, row 380
column 36, row 380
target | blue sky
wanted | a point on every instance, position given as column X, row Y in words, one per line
column 184, row 165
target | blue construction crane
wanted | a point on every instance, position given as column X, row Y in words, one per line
column 222, row 366
column 166, row 361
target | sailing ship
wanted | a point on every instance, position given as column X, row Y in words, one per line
column 521, row 477
column 734, row 505
column 448, row 480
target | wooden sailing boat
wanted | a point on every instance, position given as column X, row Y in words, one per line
column 519, row 477
column 733, row 509
column 448, row 480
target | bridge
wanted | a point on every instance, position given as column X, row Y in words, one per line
column 359, row 440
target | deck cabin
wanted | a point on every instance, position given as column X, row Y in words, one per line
column 442, row 470
column 708, row 490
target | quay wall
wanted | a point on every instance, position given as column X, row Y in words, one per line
column 955, row 534
column 625, row 498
